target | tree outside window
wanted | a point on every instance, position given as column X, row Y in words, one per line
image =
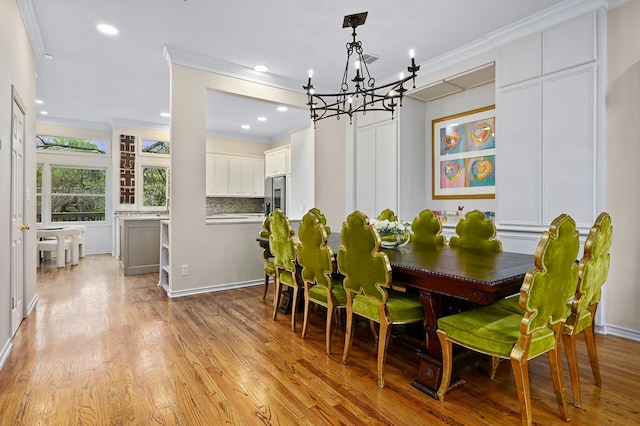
column 154, row 186
column 77, row 194
column 57, row 143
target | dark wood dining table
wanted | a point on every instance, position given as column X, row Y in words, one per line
column 449, row 280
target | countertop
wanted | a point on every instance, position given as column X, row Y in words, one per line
column 235, row 218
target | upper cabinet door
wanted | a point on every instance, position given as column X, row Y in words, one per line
column 257, row 177
column 276, row 162
column 220, row 175
column 240, row 179
column 569, row 44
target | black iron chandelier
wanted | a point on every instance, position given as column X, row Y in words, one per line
column 363, row 96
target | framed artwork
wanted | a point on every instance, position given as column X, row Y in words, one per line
column 464, row 155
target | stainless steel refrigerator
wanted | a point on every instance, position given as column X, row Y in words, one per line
column 275, row 194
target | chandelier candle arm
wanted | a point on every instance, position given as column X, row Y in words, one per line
column 381, row 98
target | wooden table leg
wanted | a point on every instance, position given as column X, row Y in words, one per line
column 430, row 372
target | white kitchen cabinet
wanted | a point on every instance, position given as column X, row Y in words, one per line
column 220, row 175
column 257, row 177
column 240, row 177
column 277, row 161
column 234, row 176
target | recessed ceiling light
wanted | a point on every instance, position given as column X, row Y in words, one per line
column 165, row 114
column 246, row 126
column 39, row 101
column 44, row 112
column 107, row 29
column 261, row 68
column 48, row 56
column 262, row 118
column 282, row 108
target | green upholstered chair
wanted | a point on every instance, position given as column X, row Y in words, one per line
column 269, row 268
column 427, row 229
column 367, row 277
column 321, row 218
column 287, row 271
column 476, row 231
column 594, row 268
column 321, row 285
column 500, row 333
column 387, row 214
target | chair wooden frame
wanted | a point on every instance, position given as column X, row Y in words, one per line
column 318, row 271
column 593, row 270
column 359, row 284
column 536, row 317
column 283, row 248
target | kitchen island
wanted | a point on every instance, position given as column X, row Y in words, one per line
column 137, row 241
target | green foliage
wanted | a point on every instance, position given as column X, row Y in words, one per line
column 76, row 190
column 57, row 143
column 154, row 184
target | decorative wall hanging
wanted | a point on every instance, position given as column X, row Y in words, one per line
column 127, row 169
column 464, row 155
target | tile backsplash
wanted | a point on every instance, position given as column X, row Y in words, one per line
column 225, row 205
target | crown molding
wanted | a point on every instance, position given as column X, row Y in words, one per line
column 178, row 56
column 31, row 26
column 552, row 16
column 615, row 3
column 547, row 18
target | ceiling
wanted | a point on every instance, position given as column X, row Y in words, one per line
column 90, row 79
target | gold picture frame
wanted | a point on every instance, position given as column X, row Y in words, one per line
column 463, row 155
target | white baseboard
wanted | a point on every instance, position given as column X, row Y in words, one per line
column 619, row 331
column 32, row 305
column 211, row 289
column 4, row 353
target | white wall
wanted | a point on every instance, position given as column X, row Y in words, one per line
column 301, row 185
column 623, row 175
column 236, row 147
column 17, row 68
column 193, row 242
column 331, row 162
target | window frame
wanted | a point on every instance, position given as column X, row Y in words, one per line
column 69, row 159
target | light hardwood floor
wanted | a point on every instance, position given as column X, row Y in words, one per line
column 101, row 348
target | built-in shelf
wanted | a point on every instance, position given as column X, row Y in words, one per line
column 165, row 247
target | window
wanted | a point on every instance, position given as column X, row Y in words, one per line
column 73, row 178
column 57, row 143
column 77, row 194
column 39, row 193
column 154, row 186
column 154, row 147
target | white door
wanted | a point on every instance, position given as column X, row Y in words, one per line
column 18, row 226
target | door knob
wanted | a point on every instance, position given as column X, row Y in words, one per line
column 25, row 227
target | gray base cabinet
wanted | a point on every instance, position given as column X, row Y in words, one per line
column 139, row 242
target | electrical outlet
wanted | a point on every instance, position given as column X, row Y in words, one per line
column 185, row 270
